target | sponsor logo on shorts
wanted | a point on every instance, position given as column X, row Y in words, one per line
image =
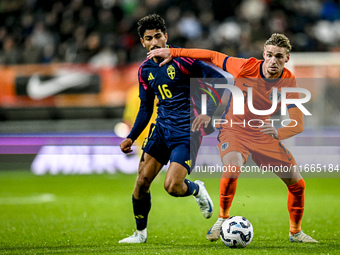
column 224, row 146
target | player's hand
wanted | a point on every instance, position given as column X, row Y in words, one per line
column 125, row 146
column 199, row 121
column 163, row 53
column 268, row 129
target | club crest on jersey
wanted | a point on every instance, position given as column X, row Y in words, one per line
column 171, row 72
column 224, row 146
column 278, row 96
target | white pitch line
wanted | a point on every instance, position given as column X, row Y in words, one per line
column 37, row 199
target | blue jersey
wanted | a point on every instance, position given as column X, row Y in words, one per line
column 178, row 104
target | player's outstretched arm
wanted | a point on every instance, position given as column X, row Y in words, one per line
column 125, row 146
column 207, row 55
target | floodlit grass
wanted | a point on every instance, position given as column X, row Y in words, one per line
column 90, row 214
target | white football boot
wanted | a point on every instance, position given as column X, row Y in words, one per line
column 301, row 237
column 135, row 238
column 213, row 233
column 203, row 200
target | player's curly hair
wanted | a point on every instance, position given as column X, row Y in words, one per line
column 279, row 40
column 151, row 21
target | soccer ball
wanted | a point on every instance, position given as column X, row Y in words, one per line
column 237, row 232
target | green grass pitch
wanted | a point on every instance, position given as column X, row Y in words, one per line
column 90, row 214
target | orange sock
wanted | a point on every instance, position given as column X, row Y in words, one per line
column 228, row 189
column 295, row 203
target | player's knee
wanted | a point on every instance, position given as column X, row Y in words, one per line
column 233, row 158
column 172, row 188
column 143, row 183
column 235, row 161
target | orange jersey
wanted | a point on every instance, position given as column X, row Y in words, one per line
column 248, row 74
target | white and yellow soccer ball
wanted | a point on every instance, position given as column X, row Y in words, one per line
column 237, row 232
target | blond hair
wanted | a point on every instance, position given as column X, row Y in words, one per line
column 279, row 40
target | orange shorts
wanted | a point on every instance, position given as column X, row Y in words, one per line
column 265, row 149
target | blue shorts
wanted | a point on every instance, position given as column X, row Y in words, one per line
column 165, row 144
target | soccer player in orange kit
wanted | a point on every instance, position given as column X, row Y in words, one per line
column 262, row 141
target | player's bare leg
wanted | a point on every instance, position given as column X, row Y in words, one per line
column 174, row 180
column 228, row 183
column 148, row 169
column 296, row 199
column 176, row 185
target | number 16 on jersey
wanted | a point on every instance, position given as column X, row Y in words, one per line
column 165, row 92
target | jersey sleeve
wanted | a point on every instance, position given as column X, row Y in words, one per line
column 147, row 97
column 236, row 65
column 204, row 79
column 294, row 127
column 210, row 77
column 291, row 82
column 230, row 64
column 208, row 55
column 207, row 75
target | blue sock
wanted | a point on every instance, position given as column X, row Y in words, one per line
column 192, row 188
column 141, row 209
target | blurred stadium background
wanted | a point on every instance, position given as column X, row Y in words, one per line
column 67, row 69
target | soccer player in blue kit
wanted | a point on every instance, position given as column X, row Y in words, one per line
column 171, row 138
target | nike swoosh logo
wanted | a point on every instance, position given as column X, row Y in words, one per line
column 210, row 207
column 37, row 89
